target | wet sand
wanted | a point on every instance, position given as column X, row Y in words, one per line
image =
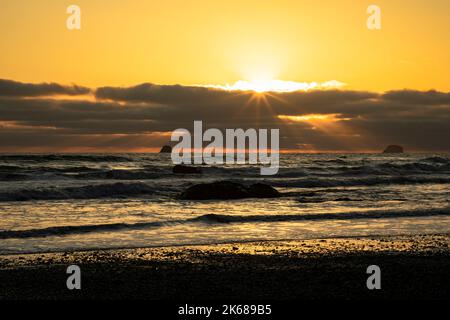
column 411, row 267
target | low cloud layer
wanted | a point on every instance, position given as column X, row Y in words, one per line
column 141, row 117
column 9, row 88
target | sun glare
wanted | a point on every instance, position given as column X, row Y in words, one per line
column 334, row 117
column 272, row 85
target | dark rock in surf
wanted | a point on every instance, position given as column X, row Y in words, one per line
column 166, row 149
column 179, row 168
column 393, row 149
column 223, row 190
column 261, row 190
column 215, row 190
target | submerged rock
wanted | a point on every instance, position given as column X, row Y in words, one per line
column 393, row 149
column 166, row 149
column 228, row 190
column 179, row 168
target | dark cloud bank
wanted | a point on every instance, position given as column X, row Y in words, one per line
column 9, row 88
column 134, row 118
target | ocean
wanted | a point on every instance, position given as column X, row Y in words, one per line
column 60, row 202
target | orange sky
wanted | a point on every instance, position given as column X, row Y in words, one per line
column 287, row 47
column 219, row 42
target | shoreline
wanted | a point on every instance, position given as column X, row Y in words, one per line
column 412, row 267
column 243, row 242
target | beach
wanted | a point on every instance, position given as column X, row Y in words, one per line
column 412, row 267
column 138, row 229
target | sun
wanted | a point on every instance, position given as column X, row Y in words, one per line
column 261, row 85
column 258, row 85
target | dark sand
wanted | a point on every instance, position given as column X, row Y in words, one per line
column 411, row 267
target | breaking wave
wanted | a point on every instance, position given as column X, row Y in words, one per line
column 114, row 190
column 218, row 219
column 367, row 181
column 64, row 157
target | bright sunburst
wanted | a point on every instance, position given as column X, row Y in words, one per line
column 272, row 85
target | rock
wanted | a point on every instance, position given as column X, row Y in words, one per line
column 228, row 190
column 166, row 149
column 179, row 168
column 215, row 190
column 393, row 149
column 261, row 190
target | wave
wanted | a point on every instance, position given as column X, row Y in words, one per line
column 414, row 167
column 68, row 230
column 65, row 157
column 120, row 175
column 333, row 161
column 84, row 192
column 333, row 168
column 7, row 176
column 130, row 189
column 81, row 173
column 369, row 181
column 437, row 159
column 40, row 169
column 66, row 166
column 218, row 219
column 18, row 173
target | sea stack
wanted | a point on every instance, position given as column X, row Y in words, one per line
column 393, row 149
column 166, row 149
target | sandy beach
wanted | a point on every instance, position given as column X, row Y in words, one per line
column 411, row 267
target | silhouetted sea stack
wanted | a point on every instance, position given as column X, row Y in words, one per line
column 166, row 149
column 223, row 190
column 393, row 149
column 179, row 168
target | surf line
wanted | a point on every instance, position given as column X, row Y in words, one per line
column 233, row 148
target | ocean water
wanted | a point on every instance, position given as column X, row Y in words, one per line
column 92, row 201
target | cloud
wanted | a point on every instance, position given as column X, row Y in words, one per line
column 9, row 88
column 431, row 97
column 163, row 94
column 277, row 86
column 133, row 118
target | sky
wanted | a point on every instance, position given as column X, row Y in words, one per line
column 136, row 70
